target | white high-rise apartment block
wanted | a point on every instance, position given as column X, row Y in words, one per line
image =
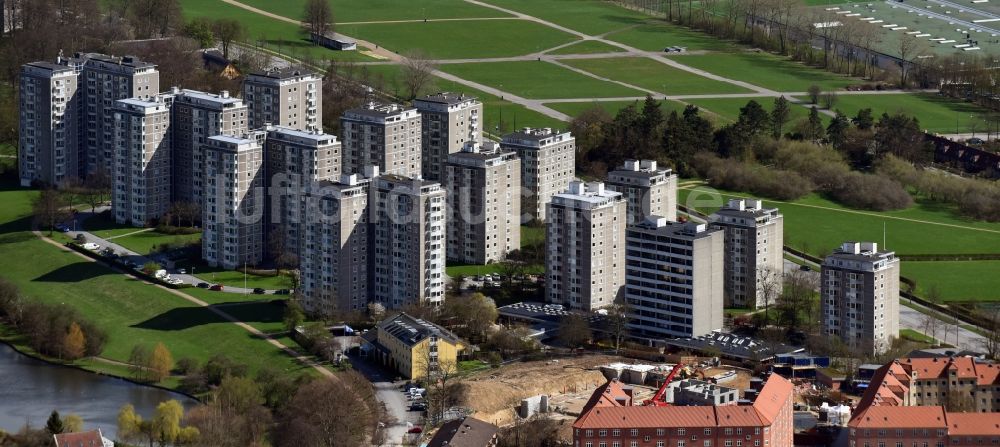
column 548, row 162
column 859, row 296
column 103, row 80
column 383, row 135
column 585, row 247
column 48, row 138
column 673, row 278
column 197, row 117
column 484, row 202
column 141, row 178
column 234, row 195
column 289, row 97
column 754, row 248
column 296, row 161
column 649, row 191
column 408, row 242
column 449, row 121
column 333, row 249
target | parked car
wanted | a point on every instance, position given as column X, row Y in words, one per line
column 976, row 141
column 419, row 406
column 415, row 430
column 203, row 285
column 258, row 291
column 174, row 281
column 62, row 228
column 282, row 292
column 804, row 268
column 216, row 287
column 91, row 246
column 182, row 271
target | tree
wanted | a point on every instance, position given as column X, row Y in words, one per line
column 797, row 302
column 129, row 423
column 910, row 47
column 618, row 323
column 54, row 425
column 200, row 30
column 779, row 116
column 991, row 340
column 138, row 360
column 227, row 31
column 574, row 330
column 329, row 412
column 97, row 188
column 376, row 311
column 829, row 100
column 836, row 131
column 814, row 92
column 74, row 343
column 73, row 423
column 151, row 267
column 864, row 120
column 929, row 324
column 294, row 316
column 49, row 209
column 814, row 127
column 418, row 73
column 767, row 290
column 474, row 314
column 160, row 362
column 166, row 424
column 318, row 19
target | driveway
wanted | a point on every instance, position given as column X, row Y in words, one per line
column 389, row 392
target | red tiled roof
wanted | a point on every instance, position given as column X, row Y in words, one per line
column 647, row 417
column 775, row 393
column 90, row 438
column 899, row 417
column 973, row 424
column 607, row 395
column 739, row 416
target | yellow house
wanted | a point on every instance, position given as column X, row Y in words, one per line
column 413, row 347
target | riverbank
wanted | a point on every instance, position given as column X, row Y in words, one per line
column 15, row 341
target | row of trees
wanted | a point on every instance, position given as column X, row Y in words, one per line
column 53, row 330
column 150, row 365
column 978, row 199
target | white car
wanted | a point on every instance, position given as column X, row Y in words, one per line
column 91, row 246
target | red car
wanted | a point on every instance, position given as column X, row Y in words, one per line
column 416, row 430
column 216, row 287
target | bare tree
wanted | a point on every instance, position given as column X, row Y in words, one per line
column 768, row 289
column 318, row 19
column 438, row 375
column 910, row 47
column 49, row 209
column 991, row 340
column 418, row 73
column 618, row 323
column 929, row 324
column 228, row 31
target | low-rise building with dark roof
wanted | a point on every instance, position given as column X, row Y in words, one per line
column 731, row 346
column 465, row 432
column 413, row 347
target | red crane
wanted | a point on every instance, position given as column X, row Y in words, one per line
column 657, row 399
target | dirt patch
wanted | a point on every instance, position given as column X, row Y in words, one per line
column 494, row 394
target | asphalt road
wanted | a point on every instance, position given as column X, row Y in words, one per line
column 388, row 390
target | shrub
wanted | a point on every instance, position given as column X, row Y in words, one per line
column 759, row 180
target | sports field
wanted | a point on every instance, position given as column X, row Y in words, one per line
column 587, row 16
column 652, row 75
column 538, row 80
column 586, row 47
column 956, row 280
column 382, row 10
column 936, row 113
column 766, row 70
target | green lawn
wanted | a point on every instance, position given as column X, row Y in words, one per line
column 587, row 47
column 936, row 113
column 532, row 79
column 956, row 280
column 913, row 335
column 729, row 109
column 532, row 235
column 275, row 34
column 369, row 10
column 656, row 36
column 820, row 230
column 586, row 16
column 235, row 279
column 768, row 71
column 104, row 228
column 612, row 107
column 652, row 75
column 131, row 311
column 461, row 39
column 514, row 115
column 148, row 241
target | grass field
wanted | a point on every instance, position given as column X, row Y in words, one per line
column 275, row 34
column 656, row 36
column 131, row 311
column 586, row 16
column 370, row 10
column 768, row 71
column 540, row 80
column 148, row 241
column 529, row 236
column 652, row 75
column 235, row 279
column 936, row 113
column 820, row 230
column 954, row 281
column 587, row 47
column 456, row 40
column 913, row 335
column 514, row 115
column 729, row 109
column 612, row 107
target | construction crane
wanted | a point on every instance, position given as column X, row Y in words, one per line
column 657, row 399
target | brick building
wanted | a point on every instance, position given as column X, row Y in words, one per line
column 610, row 419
